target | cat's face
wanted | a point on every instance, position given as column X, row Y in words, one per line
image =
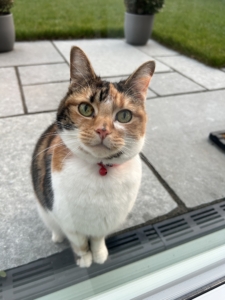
column 102, row 121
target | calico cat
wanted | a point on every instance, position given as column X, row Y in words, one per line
column 86, row 169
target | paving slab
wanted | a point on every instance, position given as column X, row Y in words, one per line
column 115, row 78
column 151, row 94
column 44, row 97
column 44, row 73
column 111, row 57
column 208, row 77
column 152, row 48
column 21, row 231
column 173, row 83
column 30, row 53
column 177, row 144
column 152, row 201
column 24, row 238
column 10, row 100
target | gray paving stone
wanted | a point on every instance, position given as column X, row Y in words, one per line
column 155, row 49
column 173, row 83
column 110, row 57
column 44, row 97
column 10, row 100
column 150, row 94
column 208, row 77
column 44, row 73
column 152, row 200
column 22, row 233
column 177, row 144
column 25, row 238
column 29, row 53
column 115, row 78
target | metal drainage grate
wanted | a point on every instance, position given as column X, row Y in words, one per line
column 218, row 138
column 59, row 271
column 152, row 236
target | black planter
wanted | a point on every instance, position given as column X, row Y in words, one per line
column 138, row 28
column 7, row 33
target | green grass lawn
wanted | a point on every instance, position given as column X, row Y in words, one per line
column 64, row 19
column 193, row 27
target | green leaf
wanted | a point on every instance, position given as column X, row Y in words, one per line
column 2, row 274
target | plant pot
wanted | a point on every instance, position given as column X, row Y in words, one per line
column 138, row 28
column 7, row 33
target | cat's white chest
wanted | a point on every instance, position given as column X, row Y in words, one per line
column 86, row 202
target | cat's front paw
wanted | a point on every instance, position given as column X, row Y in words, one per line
column 85, row 260
column 100, row 256
column 57, row 238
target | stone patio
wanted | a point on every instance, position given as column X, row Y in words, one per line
column 182, row 170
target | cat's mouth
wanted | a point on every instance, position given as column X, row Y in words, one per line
column 100, row 146
column 101, row 150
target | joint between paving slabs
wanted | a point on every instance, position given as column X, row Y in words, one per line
column 65, row 60
column 181, row 206
column 21, row 91
column 29, row 113
column 185, row 93
column 164, row 55
column 206, row 89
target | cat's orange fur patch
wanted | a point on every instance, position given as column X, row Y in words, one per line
column 59, row 154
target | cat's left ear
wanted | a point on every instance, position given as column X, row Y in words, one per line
column 138, row 82
column 81, row 71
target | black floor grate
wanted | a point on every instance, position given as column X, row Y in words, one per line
column 58, row 271
column 218, row 138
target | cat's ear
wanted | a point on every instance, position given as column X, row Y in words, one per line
column 81, row 71
column 138, row 82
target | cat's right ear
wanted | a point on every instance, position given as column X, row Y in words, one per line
column 138, row 82
column 81, row 71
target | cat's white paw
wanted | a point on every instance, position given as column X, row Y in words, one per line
column 85, row 260
column 57, row 238
column 100, row 256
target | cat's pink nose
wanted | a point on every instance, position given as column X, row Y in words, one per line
column 102, row 133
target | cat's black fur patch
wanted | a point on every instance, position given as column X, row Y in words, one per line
column 47, row 184
column 64, row 121
column 43, row 191
column 119, row 86
column 115, row 155
column 104, row 91
column 92, row 98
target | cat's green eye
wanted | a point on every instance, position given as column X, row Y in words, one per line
column 86, row 109
column 124, row 116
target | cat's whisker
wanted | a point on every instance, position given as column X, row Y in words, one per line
column 50, row 134
column 147, row 142
column 46, row 149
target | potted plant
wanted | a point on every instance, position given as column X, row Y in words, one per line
column 139, row 18
column 7, row 31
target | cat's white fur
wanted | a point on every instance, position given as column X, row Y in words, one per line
column 87, row 205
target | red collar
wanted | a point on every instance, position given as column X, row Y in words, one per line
column 103, row 170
